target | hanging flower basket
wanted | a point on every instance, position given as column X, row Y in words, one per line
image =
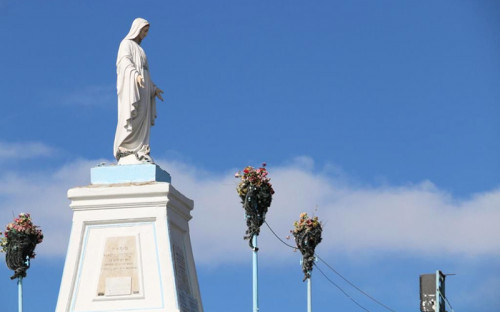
column 19, row 242
column 307, row 233
column 256, row 193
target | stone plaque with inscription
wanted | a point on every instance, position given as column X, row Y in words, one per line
column 119, row 274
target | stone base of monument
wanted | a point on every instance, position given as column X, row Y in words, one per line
column 129, row 248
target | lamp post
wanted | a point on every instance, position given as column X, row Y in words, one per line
column 309, row 294
column 19, row 242
column 256, row 193
column 255, row 275
column 307, row 233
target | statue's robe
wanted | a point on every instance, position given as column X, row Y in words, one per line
column 136, row 105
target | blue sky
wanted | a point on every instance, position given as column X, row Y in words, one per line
column 381, row 117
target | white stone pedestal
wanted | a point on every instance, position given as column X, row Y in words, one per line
column 129, row 248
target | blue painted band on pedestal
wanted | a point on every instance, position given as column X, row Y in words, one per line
column 128, row 173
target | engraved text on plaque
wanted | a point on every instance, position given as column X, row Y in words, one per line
column 119, row 270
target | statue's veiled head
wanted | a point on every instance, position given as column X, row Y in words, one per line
column 139, row 29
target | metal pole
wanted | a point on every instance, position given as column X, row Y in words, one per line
column 309, row 294
column 438, row 293
column 20, row 294
column 255, row 275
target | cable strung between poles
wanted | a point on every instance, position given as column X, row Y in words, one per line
column 334, row 271
column 340, row 288
column 356, row 287
column 449, row 304
column 288, row 245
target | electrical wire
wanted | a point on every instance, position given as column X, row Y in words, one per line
column 340, row 275
column 356, row 287
column 343, row 291
column 449, row 304
column 446, row 299
column 288, row 245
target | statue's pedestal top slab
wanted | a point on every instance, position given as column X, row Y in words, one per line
column 128, row 173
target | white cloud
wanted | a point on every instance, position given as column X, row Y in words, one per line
column 96, row 95
column 27, row 150
column 43, row 194
column 416, row 219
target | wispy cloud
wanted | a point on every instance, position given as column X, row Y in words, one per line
column 416, row 219
column 27, row 150
column 96, row 95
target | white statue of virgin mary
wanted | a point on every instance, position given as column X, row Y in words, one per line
column 136, row 98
